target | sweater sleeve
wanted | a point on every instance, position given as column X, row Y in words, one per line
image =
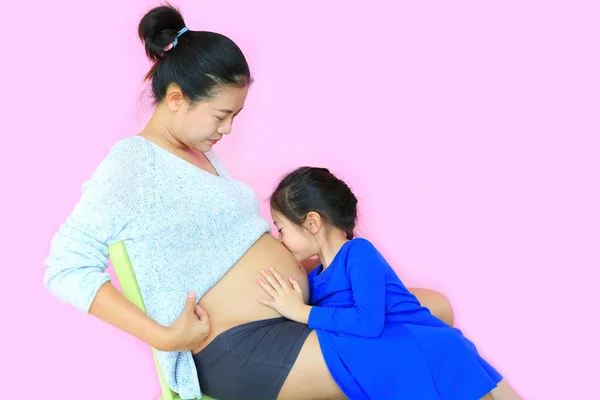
column 367, row 274
column 111, row 200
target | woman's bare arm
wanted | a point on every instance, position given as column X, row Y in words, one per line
column 112, row 307
column 185, row 334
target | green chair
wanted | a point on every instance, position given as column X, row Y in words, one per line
column 122, row 265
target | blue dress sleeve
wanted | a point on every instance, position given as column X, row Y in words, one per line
column 367, row 274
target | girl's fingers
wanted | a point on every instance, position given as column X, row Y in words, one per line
column 280, row 280
column 295, row 285
column 272, row 281
column 267, row 303
column 267, row 288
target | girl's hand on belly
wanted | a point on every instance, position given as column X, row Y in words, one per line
column 287, row 298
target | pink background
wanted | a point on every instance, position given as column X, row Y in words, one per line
column 469, row 131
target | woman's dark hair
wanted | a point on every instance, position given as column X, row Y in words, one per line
column 199, row 63
column 316, row 189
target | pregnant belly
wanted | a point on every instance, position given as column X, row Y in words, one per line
column 233, row 300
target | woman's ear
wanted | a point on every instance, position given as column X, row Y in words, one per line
column 313, row 222
column 174, row 97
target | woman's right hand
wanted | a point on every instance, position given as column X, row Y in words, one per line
column 191, row 329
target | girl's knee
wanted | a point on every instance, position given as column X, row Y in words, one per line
column 445, row 310
column 437, row 303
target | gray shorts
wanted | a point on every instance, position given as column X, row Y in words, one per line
column 250, row 361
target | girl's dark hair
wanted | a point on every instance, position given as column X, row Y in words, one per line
column 198, row 64
column 316, row 189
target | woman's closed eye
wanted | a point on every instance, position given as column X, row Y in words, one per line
column 223, row 118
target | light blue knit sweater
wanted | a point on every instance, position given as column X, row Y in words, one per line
column 183, row 227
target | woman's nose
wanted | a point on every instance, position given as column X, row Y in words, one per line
column 225, row 129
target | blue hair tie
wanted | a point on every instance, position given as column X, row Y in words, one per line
column 181, row 32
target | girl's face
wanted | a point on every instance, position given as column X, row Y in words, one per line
column 298, row 240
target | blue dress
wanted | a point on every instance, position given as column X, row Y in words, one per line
column 378, row 341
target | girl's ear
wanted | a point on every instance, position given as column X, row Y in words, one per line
column 313, row 222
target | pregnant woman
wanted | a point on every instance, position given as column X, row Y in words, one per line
column 192, row 232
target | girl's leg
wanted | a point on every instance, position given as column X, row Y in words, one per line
column 309, row 377
column 436, row 302
column 439, row 306
column 504, row 392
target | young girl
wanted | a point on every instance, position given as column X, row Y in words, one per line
column 377, row 340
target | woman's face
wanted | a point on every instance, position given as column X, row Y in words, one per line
column 202, row 124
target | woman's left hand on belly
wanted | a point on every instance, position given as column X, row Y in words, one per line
column 286, row 296
column 191, row 329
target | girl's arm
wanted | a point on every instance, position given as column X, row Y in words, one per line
column 366, row 271
column 436, row 302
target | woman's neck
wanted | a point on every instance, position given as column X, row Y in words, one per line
column 157, row 130
column 331, row 247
